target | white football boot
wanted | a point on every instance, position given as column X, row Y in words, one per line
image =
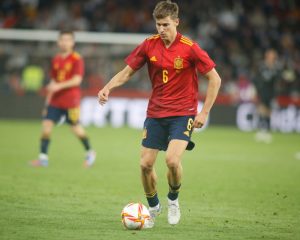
column 42, row 161
column 154, row 212
column 89, row 159
column 173, row 212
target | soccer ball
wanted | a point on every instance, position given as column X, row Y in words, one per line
column 134, row 216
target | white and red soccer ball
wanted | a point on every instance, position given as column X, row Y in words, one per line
column 134, row 216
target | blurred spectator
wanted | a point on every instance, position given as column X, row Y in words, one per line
column 15, row 85
column 235, row 33
column 265, row 83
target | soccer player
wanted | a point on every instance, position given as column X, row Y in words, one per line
column 173, row 61
column 63, row 98
column 265, row 81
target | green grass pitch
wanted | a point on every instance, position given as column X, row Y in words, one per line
column 233, row 187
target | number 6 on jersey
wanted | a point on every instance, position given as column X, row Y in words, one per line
column 165, row 76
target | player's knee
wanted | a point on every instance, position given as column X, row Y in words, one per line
column 46, row 133
column 78, row 130
column 172, row 161
column 146, row 165
column 147, row 161
column 47, row 129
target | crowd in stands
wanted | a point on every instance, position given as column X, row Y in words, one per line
column 234, row 33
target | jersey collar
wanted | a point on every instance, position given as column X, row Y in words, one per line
column 178, row 36
column 67, row 56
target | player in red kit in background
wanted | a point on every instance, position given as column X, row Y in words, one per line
column 63, row 98
column 173, row 61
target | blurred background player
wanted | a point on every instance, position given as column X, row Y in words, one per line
column 265, row 83
column 173, row 61
column 63, row 98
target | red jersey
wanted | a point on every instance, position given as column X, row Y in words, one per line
column 64, row 69
column 173, row 74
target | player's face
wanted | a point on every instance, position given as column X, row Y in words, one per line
column 167, row 28
column 66, row 42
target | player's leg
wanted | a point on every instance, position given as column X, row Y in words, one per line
column 173, row 160
column 149, row 178
column 154, row 139
column 148, row 175
column 51, row 116
column 73, row 119
column 79, row 132
column 180, row 133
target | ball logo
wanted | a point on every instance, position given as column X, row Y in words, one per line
column 134, row 216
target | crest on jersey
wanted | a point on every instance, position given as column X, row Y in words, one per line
column 56, row 66
column 178, row 63
column 68, row 66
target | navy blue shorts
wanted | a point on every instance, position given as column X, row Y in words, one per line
column 55, row 114
column 158, row 132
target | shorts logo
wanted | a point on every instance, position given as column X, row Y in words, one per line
column 178, row 63
column 144, row 133
column 187, row 133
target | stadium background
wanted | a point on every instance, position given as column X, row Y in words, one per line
column 247, row 190
column 235, row 34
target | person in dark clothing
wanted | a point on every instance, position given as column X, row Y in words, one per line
column 265, row 82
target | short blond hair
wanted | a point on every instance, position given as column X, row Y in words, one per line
column 164, row 9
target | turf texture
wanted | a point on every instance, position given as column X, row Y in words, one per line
column 233, row 187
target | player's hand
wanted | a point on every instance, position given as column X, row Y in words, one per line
column 103, row 96
column 53, row 87
column 200, row 120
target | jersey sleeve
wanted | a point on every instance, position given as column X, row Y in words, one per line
column 203, row 62
column 78, row 68
column 137, row 58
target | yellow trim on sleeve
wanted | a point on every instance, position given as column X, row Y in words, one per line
column 186, row 42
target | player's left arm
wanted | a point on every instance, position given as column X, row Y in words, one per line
column 214, row 83
column 76, row 79
column 57, row 86
column 73, row 82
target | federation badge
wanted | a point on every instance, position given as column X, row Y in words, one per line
column 178, row 63
column 56, row 66
column 68, row 66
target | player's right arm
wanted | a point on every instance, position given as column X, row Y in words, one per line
column 135, row 60
column 118, row 80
